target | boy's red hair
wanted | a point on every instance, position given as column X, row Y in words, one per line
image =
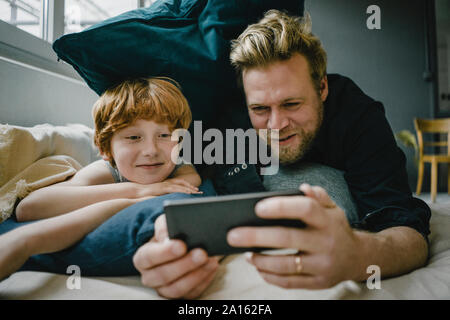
column 158, row 99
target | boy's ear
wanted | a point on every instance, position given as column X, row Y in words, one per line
column 105, row 157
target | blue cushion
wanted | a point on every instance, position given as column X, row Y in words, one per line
column 187, row 40
column 109, row 249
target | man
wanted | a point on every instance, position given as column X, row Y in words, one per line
column 321, row 119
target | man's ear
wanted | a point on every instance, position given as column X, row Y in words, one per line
column 324, row 88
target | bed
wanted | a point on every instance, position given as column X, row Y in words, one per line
column 236, row 279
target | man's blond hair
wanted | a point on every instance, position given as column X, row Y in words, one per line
column 276, row 37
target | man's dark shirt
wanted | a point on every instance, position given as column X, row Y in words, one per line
column 355, row 137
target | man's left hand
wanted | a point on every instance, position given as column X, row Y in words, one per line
column 327, row 246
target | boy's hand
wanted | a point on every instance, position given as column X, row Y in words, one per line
column 170, row 269
column 165, row 187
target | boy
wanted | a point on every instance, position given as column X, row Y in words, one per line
column 133, row 126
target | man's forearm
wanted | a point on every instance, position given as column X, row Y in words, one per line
column 395, row 251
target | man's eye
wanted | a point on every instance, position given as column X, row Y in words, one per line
column 259, row 109
column 291, row 104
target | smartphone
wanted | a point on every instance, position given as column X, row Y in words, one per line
column 204, row 222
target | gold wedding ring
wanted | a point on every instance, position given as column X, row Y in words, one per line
column 298, row 264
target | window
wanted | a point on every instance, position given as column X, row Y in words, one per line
column 50, row 19
column 24, row 14
column 80, row 14
column 29, row 27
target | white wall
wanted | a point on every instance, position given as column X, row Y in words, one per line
column 34, row 87
column 30, row 96
column 388, row 63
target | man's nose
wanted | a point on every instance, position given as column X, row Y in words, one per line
column 277, row 120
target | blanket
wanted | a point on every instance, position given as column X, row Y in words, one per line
column 35, row 157
column 41, row 173
column 238, row 280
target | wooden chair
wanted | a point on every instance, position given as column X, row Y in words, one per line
column 432, row 126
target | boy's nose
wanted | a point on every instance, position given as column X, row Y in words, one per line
column 150, row 148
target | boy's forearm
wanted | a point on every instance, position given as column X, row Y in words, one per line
column 56, row 200
column 57, row 233
column 192, row 178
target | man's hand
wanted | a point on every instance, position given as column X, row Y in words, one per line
column 327, row 246
column 166, row 266
column 165, row 187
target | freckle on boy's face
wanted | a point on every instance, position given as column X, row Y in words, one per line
column 142, row 151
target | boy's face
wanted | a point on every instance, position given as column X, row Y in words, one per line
column 142, row 151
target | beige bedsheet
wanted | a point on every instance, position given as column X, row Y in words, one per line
column 237, row 279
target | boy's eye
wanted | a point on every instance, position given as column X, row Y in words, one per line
column 133, row 138
column 165, row 136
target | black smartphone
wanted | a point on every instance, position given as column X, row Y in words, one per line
column 204, row 222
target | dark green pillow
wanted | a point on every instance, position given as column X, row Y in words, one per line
column 187, row 40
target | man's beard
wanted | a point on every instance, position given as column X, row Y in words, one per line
column 292, row 154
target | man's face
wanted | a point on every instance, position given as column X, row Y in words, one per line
column 282, row 96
